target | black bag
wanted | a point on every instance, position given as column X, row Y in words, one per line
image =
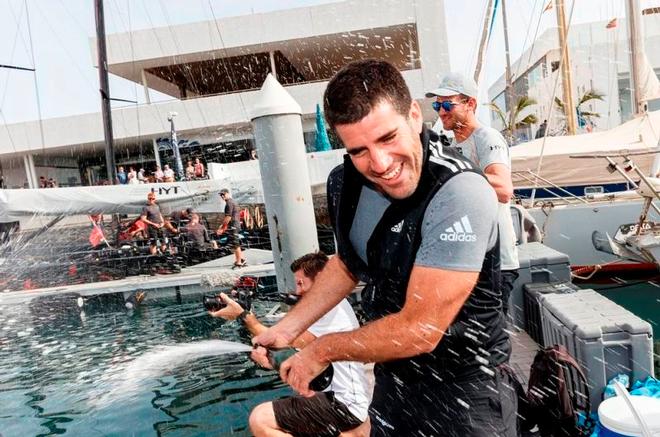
column 558, row 395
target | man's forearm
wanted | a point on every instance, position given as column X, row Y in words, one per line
column 389, row 338
column 253, row 325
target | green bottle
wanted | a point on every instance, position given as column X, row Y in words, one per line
column 277, row 356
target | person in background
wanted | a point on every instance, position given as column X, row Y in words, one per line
column 417, row 223
column 339, row 409
column 190, row 171
column 199, row 169
column 152, row 216
column 142, row 178
column 197, row 233
column 540, row 133
column 43, row 183
column 456, row 104
column 168, row 174
column 132, row 176
column 122, row 178
column 158, row 174
column 230, row 225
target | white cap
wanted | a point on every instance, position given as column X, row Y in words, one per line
column 453, row 84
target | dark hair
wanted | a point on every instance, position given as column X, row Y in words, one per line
column 354, row 91
column 311, row 264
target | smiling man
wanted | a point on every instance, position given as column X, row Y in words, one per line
column 418, row 224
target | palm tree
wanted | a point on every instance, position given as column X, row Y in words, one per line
column 587, row 116
column 511, row 121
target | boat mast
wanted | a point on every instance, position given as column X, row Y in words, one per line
column 484, row 40
column 105, row 90
column 508, row 90
column 565, row 62
column 636, row 42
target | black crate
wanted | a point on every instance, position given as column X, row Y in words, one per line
column 531, row 296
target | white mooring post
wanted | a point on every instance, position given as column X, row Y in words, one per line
column 278, row 133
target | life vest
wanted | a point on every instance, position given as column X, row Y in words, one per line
column 477, row 336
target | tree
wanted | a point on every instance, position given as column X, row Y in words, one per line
column 584, row 117
column 512, row 121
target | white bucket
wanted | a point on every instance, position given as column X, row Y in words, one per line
column 618, row 419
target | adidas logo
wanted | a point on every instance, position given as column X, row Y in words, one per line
column 398, row 227
column 459, row 231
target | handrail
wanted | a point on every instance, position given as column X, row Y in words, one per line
column 568, row 193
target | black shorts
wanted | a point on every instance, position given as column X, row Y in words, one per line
column 233, row 240
column 482, row 406
column 155, row 234
column 320, row 416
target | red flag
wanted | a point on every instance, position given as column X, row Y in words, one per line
column 611, row 24
column 96, row 236
column 548, row 6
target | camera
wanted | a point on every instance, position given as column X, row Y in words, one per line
column 241, row 295
column 213, row 303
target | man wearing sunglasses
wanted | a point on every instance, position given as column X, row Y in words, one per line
column 456, row 103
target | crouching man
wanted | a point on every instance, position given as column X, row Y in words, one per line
column 342, row 409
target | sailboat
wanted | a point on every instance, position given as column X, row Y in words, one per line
column 570, row 185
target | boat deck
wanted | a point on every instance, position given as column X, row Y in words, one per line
column 189, row 277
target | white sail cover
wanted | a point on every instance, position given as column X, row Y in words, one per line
column 637, row 135
column 122, row 199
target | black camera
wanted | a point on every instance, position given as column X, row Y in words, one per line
column 242, row 296
column 290, row 298
column 213, row 303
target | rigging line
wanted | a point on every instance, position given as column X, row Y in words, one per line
column 66, row 51
column 529, row 27
column 135, row 87
column 162, row 51
column 36, row 83
column 13, row 52
column 183, row 105
column 564, row 50
column 223, row 60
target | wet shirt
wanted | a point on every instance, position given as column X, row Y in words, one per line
column 486, row 146
column 152, row 213
column 460, row 224
column 231, row 210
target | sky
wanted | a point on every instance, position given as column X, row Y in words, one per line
column 60, row 32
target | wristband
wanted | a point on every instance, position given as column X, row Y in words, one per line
column 241, row 317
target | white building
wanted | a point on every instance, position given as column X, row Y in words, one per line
column 600, row 61
column 212, row 70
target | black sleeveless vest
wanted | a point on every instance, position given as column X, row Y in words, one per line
column 476, row 337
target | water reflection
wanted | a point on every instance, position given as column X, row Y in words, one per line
column 55, row 366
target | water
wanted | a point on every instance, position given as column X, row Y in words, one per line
column 164, row 369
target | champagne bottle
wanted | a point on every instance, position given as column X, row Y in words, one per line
column 277, row 356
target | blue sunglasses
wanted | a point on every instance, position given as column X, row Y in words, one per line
column 445, row 104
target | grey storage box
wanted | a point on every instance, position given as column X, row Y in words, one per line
column 532, row 296
column 538, row 263
column 605, row 338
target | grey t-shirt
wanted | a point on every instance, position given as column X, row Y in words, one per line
column 152, row 213
column 486, row 146
column 460, row 223
column 231, row 210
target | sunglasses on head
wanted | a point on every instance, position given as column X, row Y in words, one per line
column 445, row 104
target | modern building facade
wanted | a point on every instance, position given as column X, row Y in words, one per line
column 213, row 71
column 600, row 61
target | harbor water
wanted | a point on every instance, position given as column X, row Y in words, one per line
column 163, row 369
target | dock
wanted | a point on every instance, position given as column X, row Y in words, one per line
column 188, row 279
